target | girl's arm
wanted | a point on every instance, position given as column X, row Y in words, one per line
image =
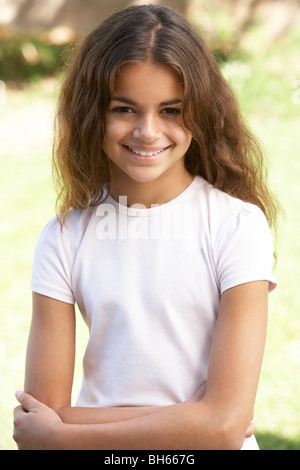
column 50, row 355
column 218, row 421
column 50, row 365
column 86, row 415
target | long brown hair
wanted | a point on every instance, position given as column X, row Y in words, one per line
column 223, row 150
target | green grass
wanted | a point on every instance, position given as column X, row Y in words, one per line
column 264, row 86
column 27, row 203
column 278, row 404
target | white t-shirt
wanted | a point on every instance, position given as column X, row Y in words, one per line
column 148, row 284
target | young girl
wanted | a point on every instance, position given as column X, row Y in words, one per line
column 162, row 241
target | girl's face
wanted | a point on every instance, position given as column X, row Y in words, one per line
column 145, row 139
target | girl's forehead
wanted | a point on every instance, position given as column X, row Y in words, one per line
column 149, row 78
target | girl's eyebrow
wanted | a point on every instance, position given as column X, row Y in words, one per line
column 132, row 103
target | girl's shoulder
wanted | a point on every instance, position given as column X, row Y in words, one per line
column 227, row 218
column 71, row 231
column 220, row 206
column 240, row 239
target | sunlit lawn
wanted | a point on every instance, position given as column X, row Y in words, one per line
column 27, row 203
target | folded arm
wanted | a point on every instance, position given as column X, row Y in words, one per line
column 50, row 365
column 219, row 420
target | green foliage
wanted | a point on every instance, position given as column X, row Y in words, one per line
column 28, row 56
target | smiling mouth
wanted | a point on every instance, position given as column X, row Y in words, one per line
column 148, row 153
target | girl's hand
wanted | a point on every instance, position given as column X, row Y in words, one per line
column 250, row 430
column 35, row 424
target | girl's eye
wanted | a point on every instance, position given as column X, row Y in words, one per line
column 122, row 110
column 171, row 111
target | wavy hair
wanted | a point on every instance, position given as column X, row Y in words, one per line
column 223, row 150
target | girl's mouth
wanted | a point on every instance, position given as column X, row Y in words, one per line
column 146, row 152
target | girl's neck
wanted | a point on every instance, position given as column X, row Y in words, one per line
column 159, row 191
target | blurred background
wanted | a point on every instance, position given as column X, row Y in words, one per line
column 257, row 45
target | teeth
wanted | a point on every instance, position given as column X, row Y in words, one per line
column 145, row 154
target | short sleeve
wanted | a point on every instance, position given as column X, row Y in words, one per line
column 52, row 264
column 244, row 249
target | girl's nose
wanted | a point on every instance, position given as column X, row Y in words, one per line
column 147, row 129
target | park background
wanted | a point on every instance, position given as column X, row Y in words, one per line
column 257, row 45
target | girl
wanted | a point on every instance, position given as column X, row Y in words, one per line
column 162, row 241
